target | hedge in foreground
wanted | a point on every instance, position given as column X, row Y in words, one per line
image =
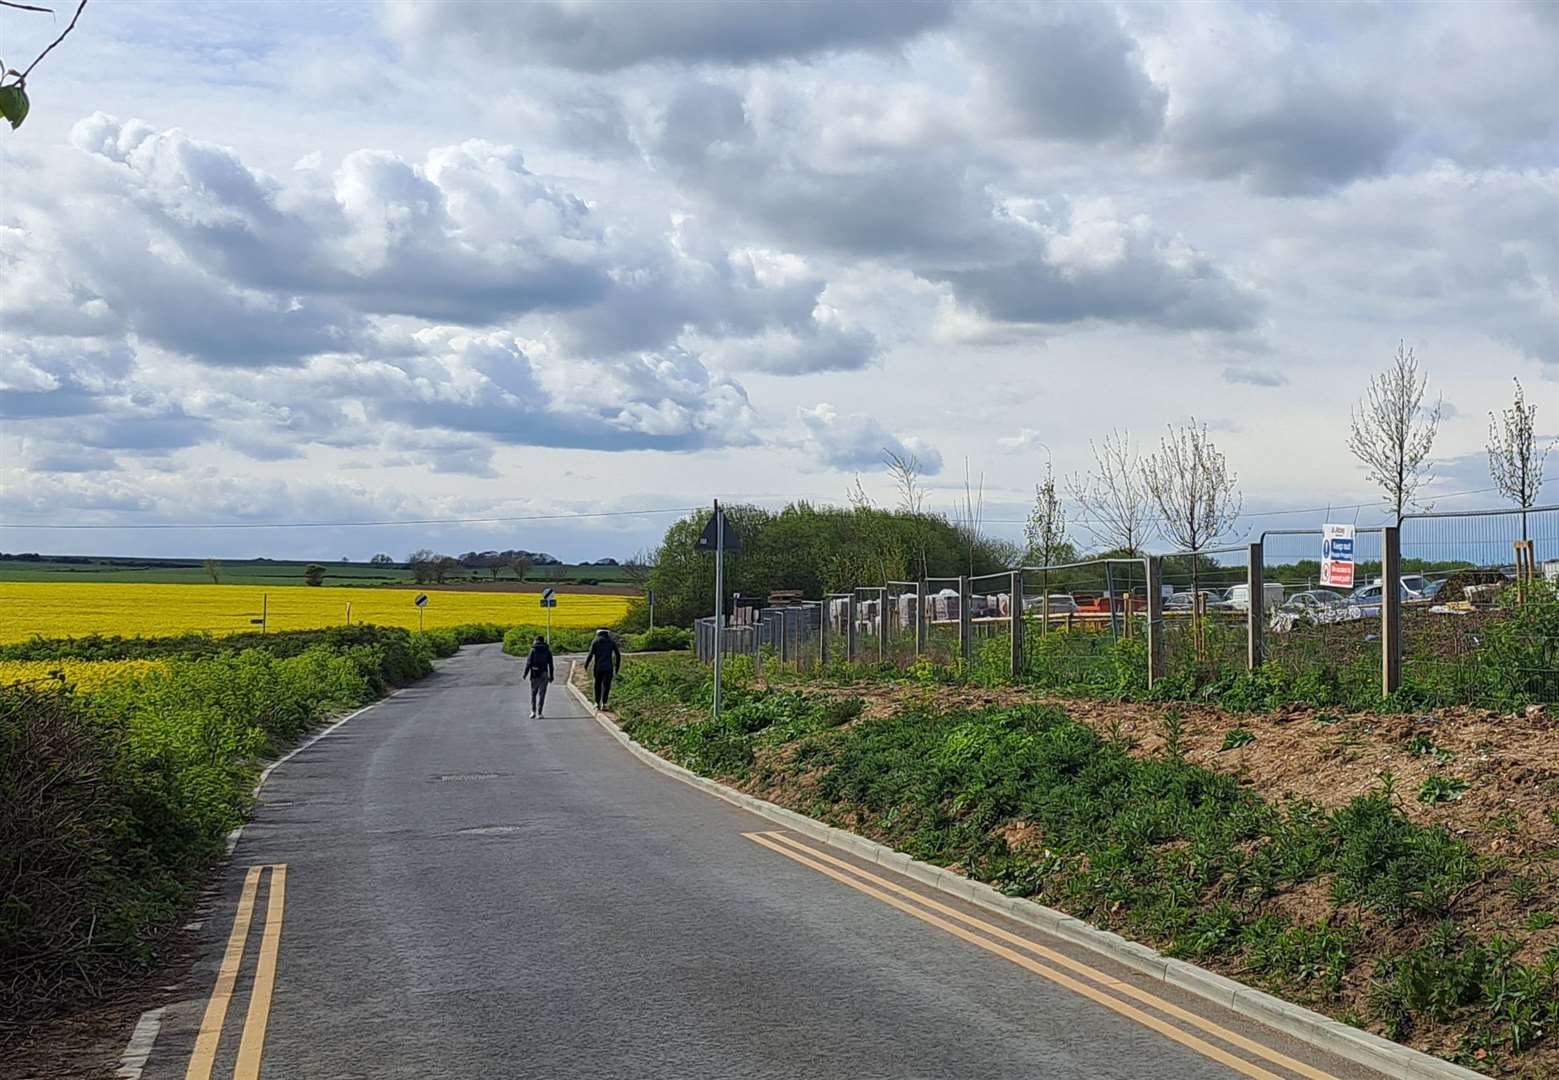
column 114, row 801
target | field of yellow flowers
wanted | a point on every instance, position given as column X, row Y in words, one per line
column 72, row 609
column 82, row 674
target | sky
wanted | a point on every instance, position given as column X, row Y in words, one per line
column 473, row 270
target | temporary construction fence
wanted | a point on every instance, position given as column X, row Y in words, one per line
column 1458, row 628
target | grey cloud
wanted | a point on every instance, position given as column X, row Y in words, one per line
column 1313, row 137
column 850, row 441
column 1254, row 376
column 1066, row 71
column 605, row 36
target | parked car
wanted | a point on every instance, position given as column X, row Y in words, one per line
column 1432, row 589
column 1315, row 600
column 1060, row 604
column 1182, row 601
column 1271, row 595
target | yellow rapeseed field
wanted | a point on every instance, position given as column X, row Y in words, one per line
column 71, row 609
column 83, row 674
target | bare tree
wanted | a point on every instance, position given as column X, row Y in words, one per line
column 1393, row 433
column 520, row 565
column 1045, row 530
column 213, row 568
column 1515, row 460
column 1113, row 496
column 859, row 500
column 969, row 515
column 640, row 566
column 904, row 469
column 1197, row 497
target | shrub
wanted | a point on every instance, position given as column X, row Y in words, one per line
column 114, row 800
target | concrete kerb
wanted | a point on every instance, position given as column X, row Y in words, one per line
column 1311, row 1028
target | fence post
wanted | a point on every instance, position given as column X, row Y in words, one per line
column 882, row 626
column 1155, row 576
column 822, row 632
column 1390, row 610
column 1044, row 601
column 784, row 643
column 851, row 634
column 1015, row 613
column 965, row 621
column 920, row 617
column 1256, row 614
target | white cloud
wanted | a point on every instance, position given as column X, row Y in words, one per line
column 855, row 441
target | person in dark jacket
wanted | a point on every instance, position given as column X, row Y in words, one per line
column 608, row 661
column 538, row 668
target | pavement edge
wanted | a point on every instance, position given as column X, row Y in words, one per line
column 1311, row 1028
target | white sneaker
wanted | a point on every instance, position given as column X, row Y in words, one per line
column 533, row 714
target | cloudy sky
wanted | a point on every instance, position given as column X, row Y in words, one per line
column 323, row 262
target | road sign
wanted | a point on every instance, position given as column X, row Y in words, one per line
column 422, row 600
column 1337, row 555
column 710, row 538
column 549, row 598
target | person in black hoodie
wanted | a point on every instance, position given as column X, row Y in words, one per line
column 608, row 660
column 538, row 668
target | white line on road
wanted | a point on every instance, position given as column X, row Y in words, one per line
column 140, row 1047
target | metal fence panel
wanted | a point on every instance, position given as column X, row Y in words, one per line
column 1468, row 632
column 1318, row 633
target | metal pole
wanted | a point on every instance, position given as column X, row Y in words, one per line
column 349, row 613
column 1109, row 599
column 719, row 600
column 1155, row 575
column 822, row 632
column 853, row 635
column 652, row 608
column 965, row 620
column 1256, row 614
column 549, row 627
column 920, row 617
column 882, row 626
column 265, row 612
column 1390, row 610
column 1015, row 613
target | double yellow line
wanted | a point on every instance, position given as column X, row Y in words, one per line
column 1094, row 985
column 252, row 1043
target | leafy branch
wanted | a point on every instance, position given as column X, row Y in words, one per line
column 14, row 104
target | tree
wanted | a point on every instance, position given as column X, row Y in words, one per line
column 421, row 563
column 1392, row 432
column 1196, row 495
column 1515, row 460
column 213, row 570
column 444, row 566
column 521, row 565
column 1045, row 530
column 381, row 560
column 969, row 516
column 1113, row 496
column 14, row 104
column 313, row 574
column 906, row 472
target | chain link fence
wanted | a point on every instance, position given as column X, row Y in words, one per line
column 1475, row 608
column 1478, row 620
column 1322, row 636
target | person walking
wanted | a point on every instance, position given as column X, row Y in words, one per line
column 608, row 661
column 538, row 668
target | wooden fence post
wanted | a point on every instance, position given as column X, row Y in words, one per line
column 1256, row 614
column 1015, row 614
column 965, row 621
column 1155, row 575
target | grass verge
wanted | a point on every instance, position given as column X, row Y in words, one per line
column 1356, row 910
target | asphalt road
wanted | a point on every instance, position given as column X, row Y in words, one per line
column 470, row 893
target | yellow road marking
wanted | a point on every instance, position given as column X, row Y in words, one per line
column 205, row 1053
column 1099, row 977
column 1206, row 1049
column 253, row 1042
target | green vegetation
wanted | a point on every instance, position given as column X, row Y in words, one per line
column 115, row 801
column 1152, row 846
column 814, row 549
column 518, row 639
column 278, row 572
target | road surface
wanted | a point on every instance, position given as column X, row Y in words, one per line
column 445, row 888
